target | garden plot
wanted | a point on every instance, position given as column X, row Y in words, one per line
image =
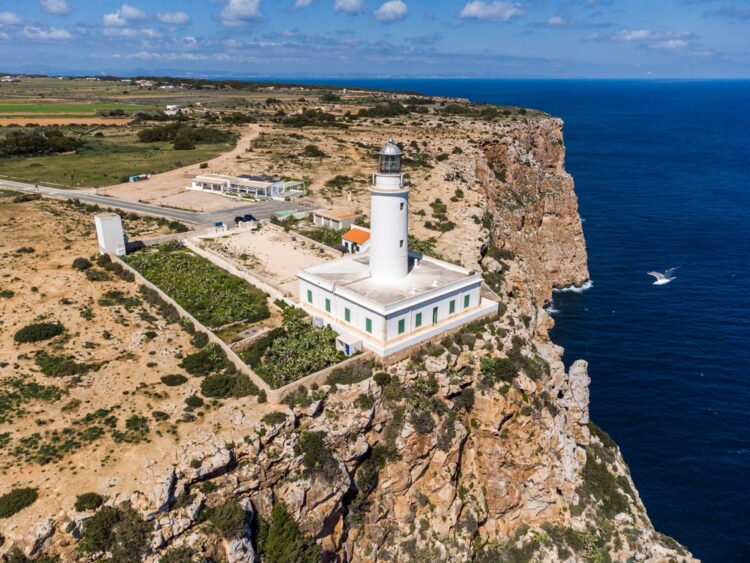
column 273, row 254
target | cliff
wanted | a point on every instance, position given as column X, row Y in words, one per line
column 478, row 447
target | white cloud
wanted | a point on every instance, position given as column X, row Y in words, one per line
column 391, row 11
column 671, row 44
column 302, row 3
column 173, row 18
column 58, row 7
column 493, row 11
column 48, row 34
column 349, row 6
column 634, row 35
column 125, row 14
column 9, row 18
column 240, row 12
column 557, row 21
column 131, row 32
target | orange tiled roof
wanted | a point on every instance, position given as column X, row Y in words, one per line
column 357, row 236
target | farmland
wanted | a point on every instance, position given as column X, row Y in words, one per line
column 106, row 160
column 207, row 292
column 53, row 109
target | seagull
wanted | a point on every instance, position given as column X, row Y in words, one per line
column 665, row 278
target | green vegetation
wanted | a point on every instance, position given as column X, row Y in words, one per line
column 16, row 392
column 173, row 379
column 228, row 519
column 56, row 109
column 274, row 418
column 120, row 531
column 88, row 501
column 292, row 352
column 38, row 331
column 185, row 137
column 107, row 160
column 81, row 264
column 280, row 540
column 224, row 385
column 351, row 373
column 317, row 457
column 60, row 366
column 207, row 292
column 36, row 142
column 329, row 237
column 209, row 359
column 16, row 500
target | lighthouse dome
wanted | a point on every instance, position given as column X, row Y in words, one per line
column 391, row 149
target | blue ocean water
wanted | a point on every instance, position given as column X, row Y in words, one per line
column 662, row 171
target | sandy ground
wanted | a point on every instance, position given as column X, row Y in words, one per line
column 46, row 287
column 170, row 188
column 271, row 253
column 4, row 121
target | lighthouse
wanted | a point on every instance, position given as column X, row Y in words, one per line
column 389, row 218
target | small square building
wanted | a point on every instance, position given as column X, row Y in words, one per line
column 388, row 298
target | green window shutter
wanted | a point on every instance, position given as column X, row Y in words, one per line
column 418, row 320
column 401, row 326
column 328, row 305
column 467, row 300
column 368, row 325
column 309, row 296
column 347, row 315
column 452, row 306
column 434, row 315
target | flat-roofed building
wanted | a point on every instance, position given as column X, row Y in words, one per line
column 337, row 218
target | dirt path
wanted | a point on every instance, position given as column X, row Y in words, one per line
column 169, row 188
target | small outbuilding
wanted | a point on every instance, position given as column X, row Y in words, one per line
column 110, row 234
column 356, row 239
column 337, row 219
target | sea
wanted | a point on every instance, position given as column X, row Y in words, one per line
column 662, row 173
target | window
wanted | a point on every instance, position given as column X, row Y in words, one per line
column 467, row 300
column 418, row 320
column 401, row 207
column 401, row 243
column 368, row 325
column 452, row 306
column 401, row 326
column 434, row 315
column 347, row 315
column 309, row 295
column 328, row 305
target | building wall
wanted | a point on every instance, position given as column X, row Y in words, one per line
column 389, row 234
column 384, row 330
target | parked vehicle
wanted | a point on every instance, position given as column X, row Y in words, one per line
column 249, row 217
column 239, row 219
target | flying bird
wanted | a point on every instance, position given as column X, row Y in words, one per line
column 665, row 278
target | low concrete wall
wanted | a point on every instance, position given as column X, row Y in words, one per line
column 273, row 395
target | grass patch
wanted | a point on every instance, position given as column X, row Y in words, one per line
column 207, row 292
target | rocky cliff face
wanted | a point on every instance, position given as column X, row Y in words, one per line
column 476, row 448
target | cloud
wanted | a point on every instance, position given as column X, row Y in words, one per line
column 131, row 32
column 391, row 11
column 48, row 34
column 634, row 35
column 173, row 18
column 125, row 14
column 302, row 3
column 730, row 12
column 557, row 21
column 240, row 12
column 491, row 11
column 671, row 44
column 57, row 7
column 9, row 18
column 349, row 6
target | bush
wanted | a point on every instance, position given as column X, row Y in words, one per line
column 82, row 264
column 382, row 378
column 199, row 339
column 194, row 402
column 228, row 519
column 38, row 331
column 96, row 275
column 312, row 151
column 59, row 366
column 364, row 401
column 465, row 399
column 178, row 555
column 16, row 500
column 206, row 361
column 352, row 373
column 280, row 540
column 422, row 421
column 274, row 418
column 88, row 501
column 316, row 455
column 173, row 380
column 120, row 531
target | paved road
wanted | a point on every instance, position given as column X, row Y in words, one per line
column 261, row 210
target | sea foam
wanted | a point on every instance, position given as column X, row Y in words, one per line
column 574, row 288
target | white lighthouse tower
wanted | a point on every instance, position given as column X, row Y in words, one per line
column 389, row 218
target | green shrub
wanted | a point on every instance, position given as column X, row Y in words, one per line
column 219, row 385
column 465, row 399
column 352, row 373
column 228, row 519
column 382, row 378
column 96, row 275
column 173, row 380
column 194, row 402
column 317, row 457
column 274, row 418
column 199, row 339
column 364, row 401
column 182, row 554
column 88, row 501
column 59, row 366
column 121, row 531
column 16, row 500
column 280, row 540
column 422, row 421
column 159, row 416
column 38, row 331
column 207, row 360
column 82, row 264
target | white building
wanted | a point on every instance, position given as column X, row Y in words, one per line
column 389, row 298
column 259, row 187
column 356, row 239
column 336, row 219
column 110, row 234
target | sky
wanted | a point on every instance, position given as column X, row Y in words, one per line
column 379, row 38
